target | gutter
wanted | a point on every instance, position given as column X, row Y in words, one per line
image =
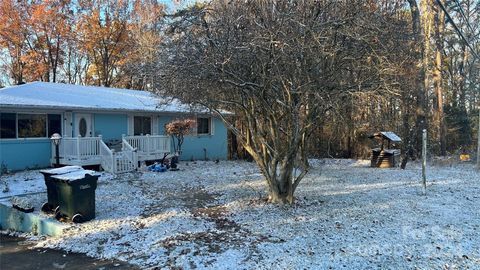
column 89, row 109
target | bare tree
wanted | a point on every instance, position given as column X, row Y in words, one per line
column 280, row 66
column 438, row 77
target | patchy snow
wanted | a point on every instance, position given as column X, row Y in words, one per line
column 31, row 181
column 62, row 170
column 21, row 183
column 347, row 216
column 60, row 95
column 75, row 175
column 21, row 203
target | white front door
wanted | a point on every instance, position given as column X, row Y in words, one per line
column 83, row 125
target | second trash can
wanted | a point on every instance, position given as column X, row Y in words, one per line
column 52, row 197
column 76, row 195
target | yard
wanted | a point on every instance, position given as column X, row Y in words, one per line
column 209, row 215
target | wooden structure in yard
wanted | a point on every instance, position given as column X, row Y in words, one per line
column 385, row 156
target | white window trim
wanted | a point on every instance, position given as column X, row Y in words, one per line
column 155, row 127
column 67, row 124
column 210, row 128
column 131, row 124
column 194, row 132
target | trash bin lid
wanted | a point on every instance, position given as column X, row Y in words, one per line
column 62, row 170
column 76, row 175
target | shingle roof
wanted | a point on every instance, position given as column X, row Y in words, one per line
column 389, row 135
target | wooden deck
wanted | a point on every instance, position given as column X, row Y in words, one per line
column 84, row 151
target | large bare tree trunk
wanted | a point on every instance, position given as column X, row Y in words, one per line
column 420, row 112
column 414, row 142
column 461, row 79
column 279, row 166
column 438, row 78
column 478, row 142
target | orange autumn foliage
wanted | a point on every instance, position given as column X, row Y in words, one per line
column 33, row 34
column 101, row 42
column 178, row 129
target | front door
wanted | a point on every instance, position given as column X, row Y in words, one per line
column 83, row 125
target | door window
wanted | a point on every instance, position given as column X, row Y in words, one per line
column 82, row 127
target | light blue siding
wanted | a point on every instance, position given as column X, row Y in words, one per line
column 21, row 154
column 110, row 126
column 162, row 121
column 199, row 147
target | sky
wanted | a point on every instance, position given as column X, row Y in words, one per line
column 177, row 4
column 172, row 5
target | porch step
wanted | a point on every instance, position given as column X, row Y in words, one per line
column 115, row 145
column 114, row 156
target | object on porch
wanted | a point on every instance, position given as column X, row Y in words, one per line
column 52, row 195
column 76, row 195
column 115, row 144
column 384, row 156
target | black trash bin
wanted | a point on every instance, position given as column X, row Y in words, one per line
column 76, row 195
column 52, row 197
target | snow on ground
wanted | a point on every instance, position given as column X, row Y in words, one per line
column 21, row 183
column 28, row 182
column 347, row 216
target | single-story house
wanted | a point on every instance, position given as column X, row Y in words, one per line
column 110, row 127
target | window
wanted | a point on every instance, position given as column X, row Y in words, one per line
column 203, row 125
column 25, row 125
column 8, row 126
column 32, row 125
column 82, row 127
column 142, row 125
column 54, row 124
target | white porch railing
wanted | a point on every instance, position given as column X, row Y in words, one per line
column 130, row 152
column 108, row 160
column 78, row 147
column 149, row 144
column 117, row 162
column 94, row 151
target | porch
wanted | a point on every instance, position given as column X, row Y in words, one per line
column 85, row 151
